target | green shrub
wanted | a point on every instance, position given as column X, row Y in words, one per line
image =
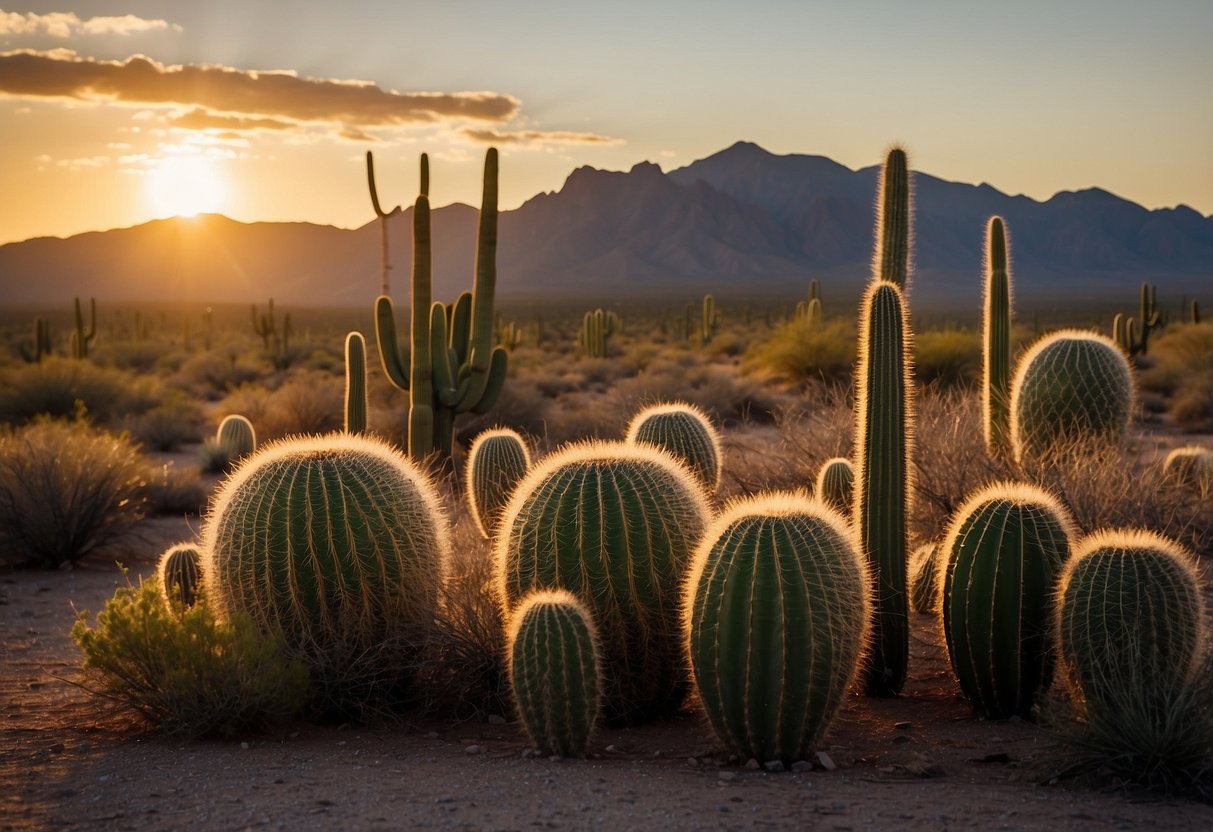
column 947, row 357
column 803, row 351
column 183, row 670
column 175, row 421
column 66, row 490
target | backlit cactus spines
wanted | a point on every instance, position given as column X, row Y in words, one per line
column 236, row 436
column 835, row 484
column 339, row 541
column 355, row 383
column 894, row 220
column 924, row 578
column 1072, row 390
column 553, row 663
column 884, row 409
column 1191, row 465
column 178, row 573
column 1130, row 625
column 616, row 525
column 497, row 461
column 1002, row 558
column 996, row 341
column 684, row 431
column 777, row 614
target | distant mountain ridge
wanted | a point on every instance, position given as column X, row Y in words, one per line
column 743, row 220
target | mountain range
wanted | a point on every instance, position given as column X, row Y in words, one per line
column 742, row 221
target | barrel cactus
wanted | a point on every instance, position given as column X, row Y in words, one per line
column 178, row 573
column 684, row 431
column 924, row 578
column 497, row 461
column 836, row 484
column 1192, row 465
column 1072, row 390
column 339, row 541
column 236, row 436
column 553, row 654
column 1004, row 553
column 616, row 525
column 777, row 614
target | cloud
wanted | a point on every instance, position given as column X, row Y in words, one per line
column 536, row 137
column 140, row 81
column 199, row 119
column 68, row 24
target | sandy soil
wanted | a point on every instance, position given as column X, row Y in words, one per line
column 922, row 761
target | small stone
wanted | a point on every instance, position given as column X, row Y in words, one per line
column 528, row 753
column 474, row 749
column 726, row 776
column 432, row 735
column 496, row 719
column 612, row 749
column 244, row 746
column 801, row 766
column 722, row 808
column 903, row 726
column 692, row 762
column 752, row 765
column 774, row 765
column 823, row 760
column 657, row 753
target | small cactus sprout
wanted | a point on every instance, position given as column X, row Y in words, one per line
column 616, row 525
column 553, row 654
column 836, row 483
column 1129, row 626
column 924, row 578
column 777, row 613
column 178, row 572
column 236, row 436
column 339, row 541
column 497, row 462
column 1192, row 465
column 355, row 381
column 1072, row 390
column 1004, row 553
column 684, row 431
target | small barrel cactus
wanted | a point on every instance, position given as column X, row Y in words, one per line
column 355, row 383
column 1072, row 390
column 340, row 542
column 236, row 436
column 1004, row 552
column 777, row 614
column 836, row 484
column 924, row 578
column 614, row 524
column 1192, row 465
column 553, row 654
column 685, row 432
column 1129, row 625
column 178, row 573
column 497, row 462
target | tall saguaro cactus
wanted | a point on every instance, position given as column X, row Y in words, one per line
column 83, row 336
column 891, row 260
column 383, row 218
column 996, row 341
column 883, row 442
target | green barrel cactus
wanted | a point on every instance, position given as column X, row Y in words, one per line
column 1191, row 465
column 178, row 573
column 553, row 654
column 1003, row 557
column 340, row 542
column 1072, row 391
column 883, row 445
column 236, row 436
column 616, row 525
column 497, row 461
column 836, row 484
column 777, row 614
column 355, row 383
column 996, row 341
column 1130, row 626
column 686, row 433
column 924, row 578
column 891, row 260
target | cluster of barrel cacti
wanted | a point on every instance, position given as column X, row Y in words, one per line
column 685, row 432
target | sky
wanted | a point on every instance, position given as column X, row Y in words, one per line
column 115, row 113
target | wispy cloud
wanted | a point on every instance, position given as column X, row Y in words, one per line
column 69, row 24
column 536, row 137
column 199, row 119
column 221, row 91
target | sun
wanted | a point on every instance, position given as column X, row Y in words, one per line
column 184, row 186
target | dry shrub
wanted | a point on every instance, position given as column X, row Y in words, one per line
column 1181, row 366
column 799, row 351
column 211, row 374
column 720, row 390
column 175, row 421
column 173, row 491
column 183, row 670
column 58, row 387
column 306, row 403
column 947, row 357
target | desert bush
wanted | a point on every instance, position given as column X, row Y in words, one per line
column 1192, row 408
column 175, row 491
column 800, row 351
column 60, row 388
column 307, row 402
column 947, row 357
column 211, row 374
column 140, row 356
column 185, row 671
column 66, row 490
column 1181, row 366
column 175, row 421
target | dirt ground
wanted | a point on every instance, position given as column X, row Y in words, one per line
column 922, row 761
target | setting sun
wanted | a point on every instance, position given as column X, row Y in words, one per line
column 184, row 186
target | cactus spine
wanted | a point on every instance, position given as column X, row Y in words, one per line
column 883, row 443
column 1004, row 553
column 1072, row 391
column 777, row 615
column 383, row 218
column 455, row 365
column 996, row 341
column 497, row 461
column 836, row 484
column 685, row 432
column 355, row 383
column 614, row 524
column 553, row 654
column 82, row 336
column 893, row 226
column 236, row 436
column 178, row 572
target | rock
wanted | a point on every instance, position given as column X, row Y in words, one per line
column 773, row 765
column 474, row 749
column 801, row 766
column 752, row 765
column 823, row 760
column 691, row 761
column 496, row 719
column 726, row 776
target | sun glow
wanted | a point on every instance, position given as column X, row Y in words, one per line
column 184, row 186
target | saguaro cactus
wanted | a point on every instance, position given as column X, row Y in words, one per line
column 497, row 461
column 82, row 336
column 996, row 341
column 355, row 383
column 1004, row 553
column 710, row 319
column 883, row 444
column 178, row 573
column 777, row 614
column 614, row 524
column 835, row 484
column 553, row 653
column 686, row 433
column 891, row 261
column 383, row 216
